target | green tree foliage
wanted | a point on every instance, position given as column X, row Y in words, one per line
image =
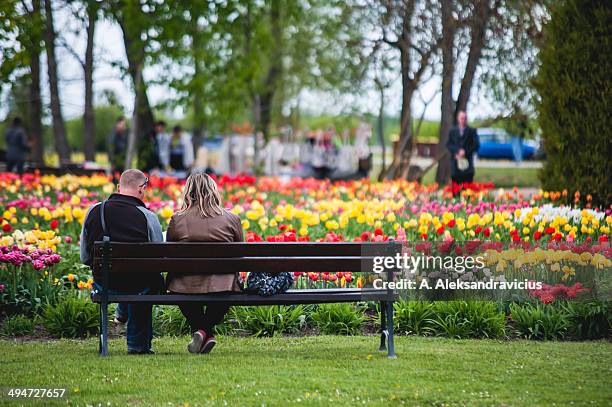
column 574, row 86
column 229, row 60
column 14, row 38
column 20, row 48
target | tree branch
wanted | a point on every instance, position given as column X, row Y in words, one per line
column 64, row 44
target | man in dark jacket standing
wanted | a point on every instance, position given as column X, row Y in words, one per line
column 127, row 220
column 462, row 144
column 148, row 148
column 16, row 147
column 118, row 146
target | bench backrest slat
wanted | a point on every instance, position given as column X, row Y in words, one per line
column 231, row 265
column 241, row 249
column 230, row 257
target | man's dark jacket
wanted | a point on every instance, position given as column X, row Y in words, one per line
column 16, row 144
column 469, row 142
column 127, row 220
column 148, row 152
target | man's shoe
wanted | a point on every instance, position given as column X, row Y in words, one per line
column 119, row 320
column 209, row 344
column 120, row 317
column 197, row 341
column 140, row 352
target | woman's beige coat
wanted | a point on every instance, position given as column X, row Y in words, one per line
column 190, row 226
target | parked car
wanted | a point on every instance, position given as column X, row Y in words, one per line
column 497, row 144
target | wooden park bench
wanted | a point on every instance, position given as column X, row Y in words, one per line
column 216, row 258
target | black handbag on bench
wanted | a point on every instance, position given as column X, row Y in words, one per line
column 267, row 284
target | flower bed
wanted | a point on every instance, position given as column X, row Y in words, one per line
column 41, row 217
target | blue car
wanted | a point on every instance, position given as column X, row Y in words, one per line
column 499, row 144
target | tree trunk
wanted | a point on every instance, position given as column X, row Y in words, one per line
column 198, row 102
column 198, row 120
column 479, row 24
column 448, row 73
column 59, row 128
column 135, row 130
column 405, row 143
column 381, row 129
column 134, row 50
column 274, row 72
column 255, row 116
column 36, row 130
column 198, row 97
column 89, row 141
column 256, row 130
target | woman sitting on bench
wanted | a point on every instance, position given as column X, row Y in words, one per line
column 201, row 218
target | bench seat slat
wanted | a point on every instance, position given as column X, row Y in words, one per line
column 290, row 297
column 232, row 265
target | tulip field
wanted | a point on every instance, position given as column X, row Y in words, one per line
column 560, row 235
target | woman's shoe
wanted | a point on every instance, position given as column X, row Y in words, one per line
column 197, row 342
column 209, row 344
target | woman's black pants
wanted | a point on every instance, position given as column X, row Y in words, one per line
column 198, row 319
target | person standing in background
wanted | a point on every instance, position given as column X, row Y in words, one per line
column 16, row 147
column 149, row 148
column 462, row 144
column 177, row 155
column 118, row 146
column 324, row 154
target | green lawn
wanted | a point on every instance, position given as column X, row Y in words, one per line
column 501, row 177
column 317, row 370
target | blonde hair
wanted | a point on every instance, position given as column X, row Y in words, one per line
column 200, row 191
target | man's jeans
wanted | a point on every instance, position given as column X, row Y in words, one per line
column 139, row 319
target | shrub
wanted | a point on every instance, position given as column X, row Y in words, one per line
column 588, row 320
column 71, row 317
column 414, row 317
column 450, row 320
column 338, row 319
column 486, row 321
column 19, row 301
column 169, row 321
column 468, row 319
column 539, row 321
column 17, row 325
column 574, row 111
column 269, row 320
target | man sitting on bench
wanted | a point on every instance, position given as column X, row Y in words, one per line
column 124, row 218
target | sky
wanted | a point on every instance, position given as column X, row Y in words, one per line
column 109, row 48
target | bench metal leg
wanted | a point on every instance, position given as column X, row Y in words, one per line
column 103, row 346
column 383, row 326
column 391, row 345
